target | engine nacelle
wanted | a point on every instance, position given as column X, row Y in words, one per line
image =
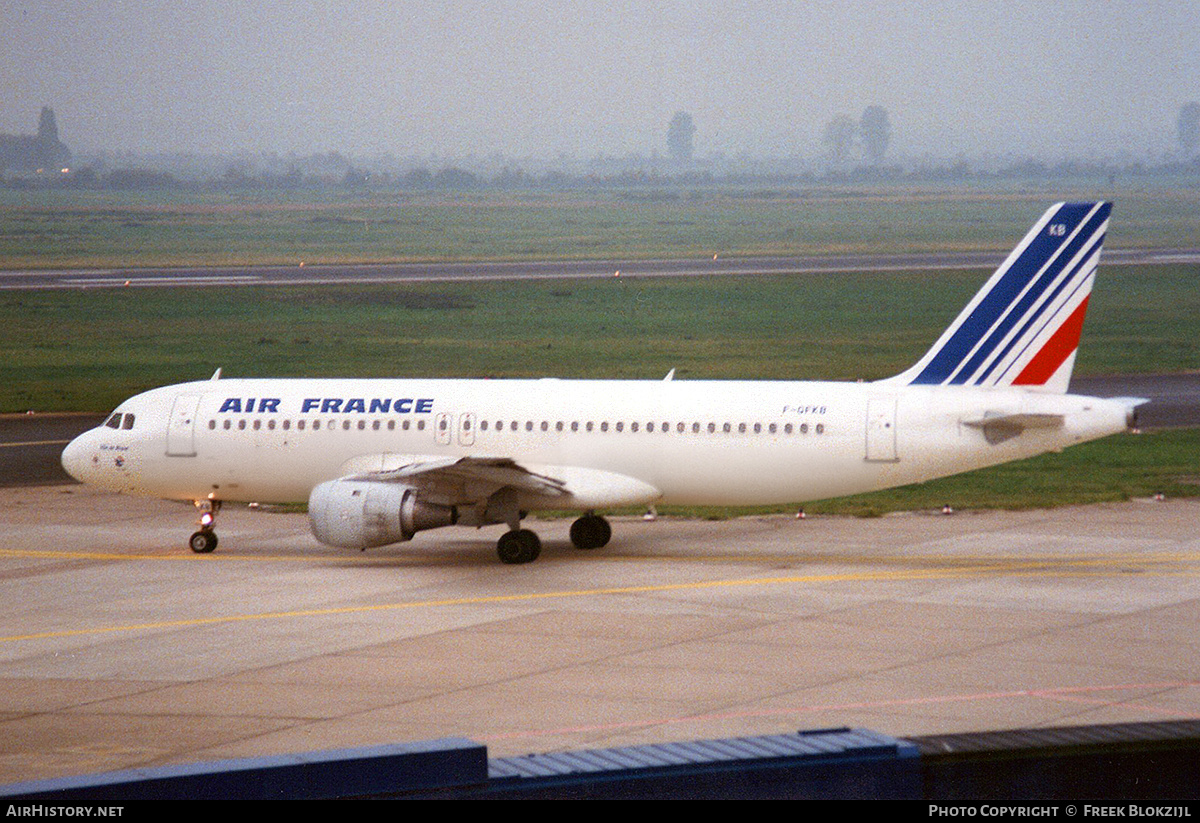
column 360, row 514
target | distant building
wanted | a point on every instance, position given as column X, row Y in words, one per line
column 24, row 153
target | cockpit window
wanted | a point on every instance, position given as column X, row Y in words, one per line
column 114, row 422
column 128, row 422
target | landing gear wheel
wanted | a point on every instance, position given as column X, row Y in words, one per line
column 519, row 546
column 590, row 532
column 203, row 541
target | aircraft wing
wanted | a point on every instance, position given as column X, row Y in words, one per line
column 463, row 481
column 453, row 476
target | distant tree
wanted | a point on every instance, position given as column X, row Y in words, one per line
column 1188, row 126
column 421, row 178
column 139, row 179
column 679, row 136
column 48, row 151
column 510, row 178
column 355, row 178
column 454, row 178
column 876, row 132
column 838, row 137
column 47, row 127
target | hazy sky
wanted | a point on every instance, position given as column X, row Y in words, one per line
column 583, row 78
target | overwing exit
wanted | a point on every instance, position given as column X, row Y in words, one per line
column 379, row 460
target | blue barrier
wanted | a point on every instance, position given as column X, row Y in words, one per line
column 823, row 764
column 1121, row 761
column 401, row 767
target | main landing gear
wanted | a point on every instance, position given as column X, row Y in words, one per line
column 590, row 532
column 519, row 546
column 523, row 546
column 205, row 540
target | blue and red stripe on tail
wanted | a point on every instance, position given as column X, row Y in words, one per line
column 1023, row 327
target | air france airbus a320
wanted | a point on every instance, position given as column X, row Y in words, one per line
column 380, row 460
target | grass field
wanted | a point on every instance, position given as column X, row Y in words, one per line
column 87, row 350
column 63, row 229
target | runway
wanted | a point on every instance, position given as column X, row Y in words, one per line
column 314, row 275
column 118, row 648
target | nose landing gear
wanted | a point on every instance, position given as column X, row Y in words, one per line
column 205, row 540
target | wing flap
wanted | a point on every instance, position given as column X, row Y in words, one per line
column 498, row 472
column 472, row 480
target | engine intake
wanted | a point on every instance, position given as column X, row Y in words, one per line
column 361, row 514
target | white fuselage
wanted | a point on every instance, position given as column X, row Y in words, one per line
column 611, row 442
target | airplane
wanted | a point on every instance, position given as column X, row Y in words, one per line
column 379, row 460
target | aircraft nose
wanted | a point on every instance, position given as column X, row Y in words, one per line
column 75, row 458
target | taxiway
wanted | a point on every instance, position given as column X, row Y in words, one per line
column 118, row 648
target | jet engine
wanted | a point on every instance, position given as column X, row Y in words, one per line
column 360, row 514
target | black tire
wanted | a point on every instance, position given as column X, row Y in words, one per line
column 203, row 542
column 519, row 546
column 590, row 532
column 532, row 544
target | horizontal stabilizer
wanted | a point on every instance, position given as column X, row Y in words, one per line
column 1131, row 402
column 1025, row 421
column 998, row 426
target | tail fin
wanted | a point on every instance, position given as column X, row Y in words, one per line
column 1022, row 328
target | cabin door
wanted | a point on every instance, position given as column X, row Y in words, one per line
column 881, row 429
column 181, row 431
